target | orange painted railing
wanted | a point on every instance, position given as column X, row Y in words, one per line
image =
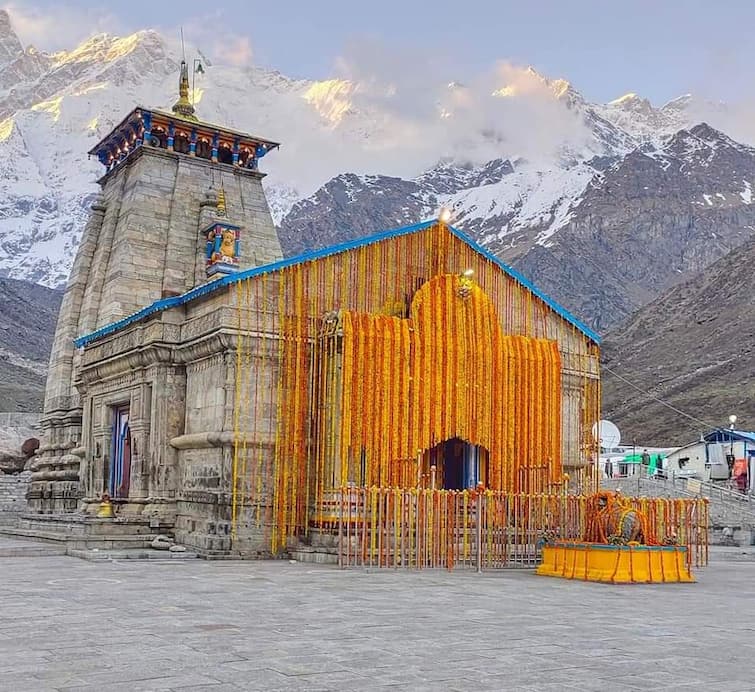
column 424, row 528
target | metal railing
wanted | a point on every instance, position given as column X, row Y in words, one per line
column 726, row 494
column 721, row 491
column 425, row 528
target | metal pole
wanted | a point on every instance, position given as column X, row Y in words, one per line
column 479, row 535
column 340, row 527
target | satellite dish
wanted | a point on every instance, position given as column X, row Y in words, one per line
column 607, row 434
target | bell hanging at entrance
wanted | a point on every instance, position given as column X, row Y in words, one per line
column 106, row 508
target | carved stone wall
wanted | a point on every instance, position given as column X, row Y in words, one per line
column 142, row 242
column 157, row 240
column 13, row 496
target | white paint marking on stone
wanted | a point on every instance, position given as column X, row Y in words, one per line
column 80, row 579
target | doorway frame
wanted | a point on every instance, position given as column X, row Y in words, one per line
column 119, row 472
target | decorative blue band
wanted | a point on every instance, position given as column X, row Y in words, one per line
column 311, row 256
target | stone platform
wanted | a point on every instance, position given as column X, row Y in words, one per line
column 79, row 532
column 74, row 626
column 20, row 547
column 616, row 564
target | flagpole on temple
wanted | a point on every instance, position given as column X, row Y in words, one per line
column 195, row 70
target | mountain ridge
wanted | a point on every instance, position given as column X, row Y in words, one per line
column 54, row 107
column 28, row 314
column 694, row 348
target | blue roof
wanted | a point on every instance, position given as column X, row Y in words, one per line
column 204, row 289
column 727, row 434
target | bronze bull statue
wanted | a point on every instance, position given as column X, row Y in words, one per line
column 611, row 519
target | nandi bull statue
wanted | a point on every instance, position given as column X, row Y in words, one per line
column 618, row 546
column 612, row 519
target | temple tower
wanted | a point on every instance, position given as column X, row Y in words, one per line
column 181, row 204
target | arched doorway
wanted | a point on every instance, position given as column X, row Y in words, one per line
column 455, row 464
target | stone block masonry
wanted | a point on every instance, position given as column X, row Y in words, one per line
column 143, row 242
column 13, row 496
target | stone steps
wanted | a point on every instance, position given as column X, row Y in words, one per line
column 82, row 542
column 119, row 547
column 85, row 526
column 26, row 550
column 314, row 555
column 96, row 555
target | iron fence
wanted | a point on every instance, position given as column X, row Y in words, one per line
column 426, row 528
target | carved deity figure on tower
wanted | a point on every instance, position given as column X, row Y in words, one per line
column 228, row 245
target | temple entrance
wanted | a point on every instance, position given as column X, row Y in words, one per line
column 457, row 464
column 119, row 479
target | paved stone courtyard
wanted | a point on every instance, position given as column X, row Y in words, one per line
column 69, row 624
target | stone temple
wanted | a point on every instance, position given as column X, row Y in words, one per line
column 218, row 392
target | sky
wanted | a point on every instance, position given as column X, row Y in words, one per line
column 605, row 48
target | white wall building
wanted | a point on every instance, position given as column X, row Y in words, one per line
column 713, row 456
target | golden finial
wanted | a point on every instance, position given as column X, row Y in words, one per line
column 183, row 106
column 221, row 202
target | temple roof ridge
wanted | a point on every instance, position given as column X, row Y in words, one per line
column 200, row 124
column 210, row 287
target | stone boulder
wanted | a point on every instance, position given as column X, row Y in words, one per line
column 12, row 463
column 29, row 447
column 162, row 542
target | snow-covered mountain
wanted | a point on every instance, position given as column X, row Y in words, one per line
column 526, row 163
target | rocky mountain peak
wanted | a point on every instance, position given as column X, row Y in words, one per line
column 106, row 48
column 713, row 137
column 562, row 89
column 633, row 103
column 705, row 144
column 449, row 177
column 10, row 46
column 680, row 103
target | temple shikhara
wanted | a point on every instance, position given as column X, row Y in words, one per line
column 221, row 393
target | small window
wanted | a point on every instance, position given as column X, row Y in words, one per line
column 181, row 144
column 225, row 155
column 204, row 149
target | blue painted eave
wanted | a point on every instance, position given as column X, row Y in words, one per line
column 210, row 287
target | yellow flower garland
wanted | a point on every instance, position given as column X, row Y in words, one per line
column 364, row 400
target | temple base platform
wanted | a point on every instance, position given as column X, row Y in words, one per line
column 616, row 564
column 83, row 532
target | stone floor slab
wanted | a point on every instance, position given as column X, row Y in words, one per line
column 66, row 624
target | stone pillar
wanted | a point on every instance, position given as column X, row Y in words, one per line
column 53, row 485
column 168, row 387
column 90, row 307
column 215, row 142
column 86, row 469
column 97, row 439
column 208, row 209
column 140, row 409
column 171, row 136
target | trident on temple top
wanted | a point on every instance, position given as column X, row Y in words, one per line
column 183, row 106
